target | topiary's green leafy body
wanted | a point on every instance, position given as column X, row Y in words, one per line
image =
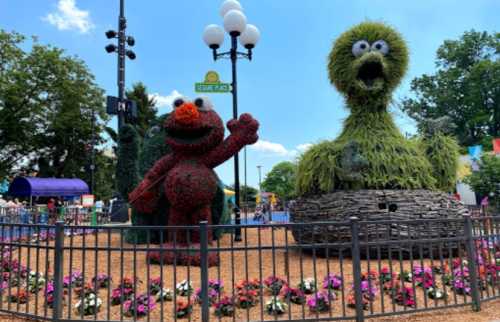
column 126, row 166
column 442, row 152
column 370, row 153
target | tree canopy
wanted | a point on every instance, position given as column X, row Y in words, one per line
column 486, row 181
column 281, row 180
column 48, row 104
column 465, row 88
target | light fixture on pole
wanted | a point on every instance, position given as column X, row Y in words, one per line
column 235, row 24
column 122, row 51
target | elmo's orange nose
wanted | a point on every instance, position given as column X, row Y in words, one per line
column 187, row 114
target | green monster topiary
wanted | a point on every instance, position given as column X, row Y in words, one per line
column 126, row 167
column 366, row 64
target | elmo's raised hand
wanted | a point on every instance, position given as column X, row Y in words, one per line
column 245, row 128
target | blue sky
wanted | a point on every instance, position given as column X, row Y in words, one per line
column 285, row 86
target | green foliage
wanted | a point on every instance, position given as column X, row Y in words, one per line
column 389, row 161
column 343, row 66
column 281, row 180
column 127, row 167
column 370, row 152
column 442, row 151
column 153, row 145
column 104, row 183
column 46, row 104
column 486, row 181
column 146, row 110
column 465, row 87
column 248, row 193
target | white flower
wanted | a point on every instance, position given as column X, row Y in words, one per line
column 165, row 294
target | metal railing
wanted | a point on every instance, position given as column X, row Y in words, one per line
column 71, row 215
column 72, row 273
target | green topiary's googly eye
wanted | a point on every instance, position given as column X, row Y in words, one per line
column 360, row 47
column 381, row 46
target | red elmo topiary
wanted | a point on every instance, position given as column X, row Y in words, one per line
column 195, row 133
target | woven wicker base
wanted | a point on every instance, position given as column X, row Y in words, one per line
column 376, row 205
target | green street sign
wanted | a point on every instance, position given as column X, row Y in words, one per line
column 212, row 84
column 212, row 88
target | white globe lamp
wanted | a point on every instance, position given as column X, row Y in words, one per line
column 235, row 22
column 213, row 36
column 250, row 37
column 229, row 5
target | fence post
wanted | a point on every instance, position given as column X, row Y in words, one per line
column 471, row 263
column 58, row 270
column 94, row 216
column 356, row 268
column 205, row 308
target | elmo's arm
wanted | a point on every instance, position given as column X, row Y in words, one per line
column 145, row 195
column 243, row 132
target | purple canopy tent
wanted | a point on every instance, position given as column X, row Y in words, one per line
column 47, row 187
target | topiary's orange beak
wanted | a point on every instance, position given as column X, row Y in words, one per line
column 187, row 114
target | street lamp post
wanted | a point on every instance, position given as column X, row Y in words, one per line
column 259, row 167
column 92, row 156
column 235, row 24
column 122, row 51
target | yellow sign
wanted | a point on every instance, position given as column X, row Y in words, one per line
column 211, row 77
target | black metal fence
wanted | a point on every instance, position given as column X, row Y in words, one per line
column 72, row 273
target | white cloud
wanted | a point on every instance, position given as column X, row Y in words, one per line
column 167, row 100
column 278, row 149
column 69, row 17
column 303, row 147
column 270, row 148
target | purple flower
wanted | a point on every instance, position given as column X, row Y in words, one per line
column 50, row 288
column 368, row 290
column 332, row 281
column 215, row 285
column 320, row 301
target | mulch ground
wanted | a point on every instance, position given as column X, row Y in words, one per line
column 118, row 259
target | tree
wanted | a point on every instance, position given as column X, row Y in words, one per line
column 281, row 180
column 146, row 110
column 465, row 87
column 104, row 184
column 486, row 181
column 247, row 193
column 47, row 104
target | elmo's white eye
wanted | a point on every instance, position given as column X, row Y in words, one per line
column 203, row 103
column 360, row 47
column 380, row 46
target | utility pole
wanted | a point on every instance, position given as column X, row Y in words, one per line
column 245, row 198
column 260, row 178
column 92, row 163
column 122, row 25
column 122, row 52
